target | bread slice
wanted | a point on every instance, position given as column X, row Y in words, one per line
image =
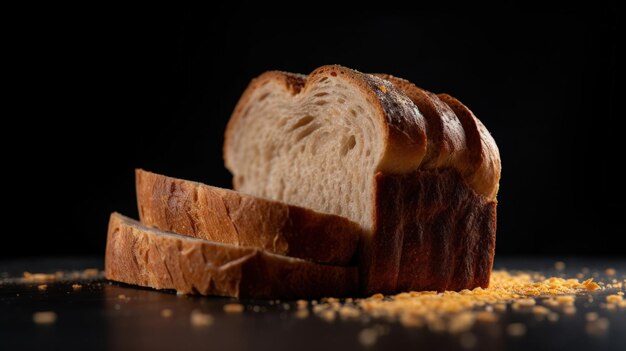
column 356, row 145
column 206, row 212
column 149, row 257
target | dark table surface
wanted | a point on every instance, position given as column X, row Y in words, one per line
column 94, row 317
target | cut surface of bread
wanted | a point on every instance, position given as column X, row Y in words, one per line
column 386, row 155
column 226, row 216
column 136, row 254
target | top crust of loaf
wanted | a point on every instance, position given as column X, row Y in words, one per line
column 399, row 119
column 411, row 138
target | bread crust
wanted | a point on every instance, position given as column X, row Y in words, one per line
column 443, row 239
column 144, row 256
column 226, row 216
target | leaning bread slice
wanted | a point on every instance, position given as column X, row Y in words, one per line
column 149, row 257
column 226, row 216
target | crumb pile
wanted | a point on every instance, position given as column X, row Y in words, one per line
column 456, row 312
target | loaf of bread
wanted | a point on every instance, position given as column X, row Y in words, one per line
column 417, row 171
column 136, row 254
column 225, row 216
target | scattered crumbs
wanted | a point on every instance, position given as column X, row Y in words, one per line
column 42, row 287
column 597, row 327
column 467, row 340
column 559, row 265
column 580, row 275
column 610, row 272
column 368, row 337
column 123, row 297
column 46, row 317
column 200, row 319
column 591, row 316
column 256, row 309
column 286, row 306
column 76, row 286
column 302, row 304
column 117, row 306
column 166, row 313
column 302, row 313
column 620, row 293
column 233, row 308
column 516, row 329
column 457, row 312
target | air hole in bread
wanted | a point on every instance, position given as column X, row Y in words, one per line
column 302, row 122
column 307, row 131
column 341, row 101
column 264, row 96
column 321, row 102
column 348, row 145
column 321, row 94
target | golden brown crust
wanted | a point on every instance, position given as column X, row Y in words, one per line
column 443, row 239
column 148, row 257
column 483, row 175
column 221, row 215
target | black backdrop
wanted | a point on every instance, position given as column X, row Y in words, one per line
column 97, row 94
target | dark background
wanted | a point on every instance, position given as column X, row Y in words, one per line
column 97, row 93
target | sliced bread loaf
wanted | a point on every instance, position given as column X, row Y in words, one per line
column 421, row 185
column 136, row 254
column 226, row 216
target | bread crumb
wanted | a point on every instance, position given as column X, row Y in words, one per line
column 569, row 310
column 76, row 286
column 467, row 340
column 286, row 307
column 38, row 277
column 540, row 311
column 383, row 88
column 328, row 315
column 91, row 272
column 200, row 319
column 553, row 317
column 461, row 322
column 377, row 296
column 610, row 272
column 302, row 304
column 527, row 302
column 620, row 293
column 486, row 317
column 233, row 308
column 45, row 317
column 615, row 299
column 166, row 313
column 597, row 327
column 566, row 300
column 591, row 316
column 42, row 287
column 559, row 265
column 368, row 337
column 516, row 329
column 302, row 313
column 349, row 312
